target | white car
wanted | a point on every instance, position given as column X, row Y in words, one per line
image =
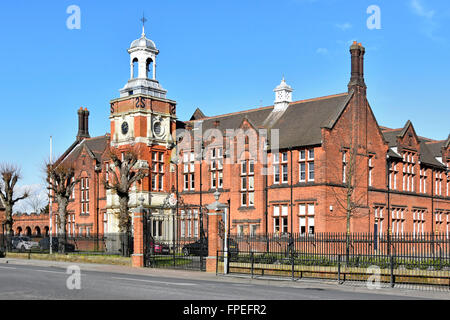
column 25, row 243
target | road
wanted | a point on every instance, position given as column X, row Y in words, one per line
column 49, row 282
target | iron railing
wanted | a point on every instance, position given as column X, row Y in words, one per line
column 411, row 259
column 106, row 244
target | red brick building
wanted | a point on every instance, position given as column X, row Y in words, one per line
column 283, row 168
column 34, row 224
column 305, row 189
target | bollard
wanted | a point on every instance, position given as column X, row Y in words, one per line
column 339, row 269
column 392, row 282
column 252, row 261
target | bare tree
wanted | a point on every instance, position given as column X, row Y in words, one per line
column 36, row 202
column 9, row 176
column 346, row 194
column 121, row 177
column 348, row 190
column 61, row 182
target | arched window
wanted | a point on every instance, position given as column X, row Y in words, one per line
column 135, row 68
column 28, row 231
column 18, row 231
column 37, row 231
column 149, row 68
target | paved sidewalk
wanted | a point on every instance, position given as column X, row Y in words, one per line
column 203, row 276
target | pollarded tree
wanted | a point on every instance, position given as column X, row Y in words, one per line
column 121, row 176
column 9, row 176
column 61, row 182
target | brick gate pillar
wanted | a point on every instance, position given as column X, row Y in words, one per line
column 137, row 258
column 214, row 241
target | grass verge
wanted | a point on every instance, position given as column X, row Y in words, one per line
column 82, row 258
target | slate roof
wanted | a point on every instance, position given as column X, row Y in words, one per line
column 426, row 156
column 307, row 117
column 391, row 137
column 436, row 147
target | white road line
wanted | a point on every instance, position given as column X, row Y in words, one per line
column 153, row 281
column 47, row 271
column 243, row 285
column 7, row 268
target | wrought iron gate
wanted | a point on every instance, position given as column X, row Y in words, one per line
column 174, row 237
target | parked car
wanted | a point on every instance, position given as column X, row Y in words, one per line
column 24, row 243
column 158, row 248
column 44, row 244
column 200, row 247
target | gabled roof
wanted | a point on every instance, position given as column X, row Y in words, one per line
column 300, row 125
column 198, row 114
column 447, row 143
column 93, row 146
column 429, row 149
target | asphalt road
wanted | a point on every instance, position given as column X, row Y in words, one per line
column 18, row 281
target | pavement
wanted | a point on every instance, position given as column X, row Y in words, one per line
column 47, row 280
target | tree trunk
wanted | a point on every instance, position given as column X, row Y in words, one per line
column 347, row 233
column 62, row 205
column 124, row 224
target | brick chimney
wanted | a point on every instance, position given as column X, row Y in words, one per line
column 357, row 52
column 83, row 124
column 86, row 123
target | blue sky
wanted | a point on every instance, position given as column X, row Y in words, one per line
column 221, row 56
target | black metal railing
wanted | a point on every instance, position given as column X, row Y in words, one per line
column 102, row 244
column 407, row 258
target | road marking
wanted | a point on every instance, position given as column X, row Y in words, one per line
column 243, row 285
column 7, row 268
column 48, row 271
column 153, row 281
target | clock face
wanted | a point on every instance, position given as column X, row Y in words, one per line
column 172, row 200
column 124, row 128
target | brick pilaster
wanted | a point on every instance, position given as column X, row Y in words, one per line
column 213, row 240
column 137, row 258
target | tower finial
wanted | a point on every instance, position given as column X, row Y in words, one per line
column 143, row 24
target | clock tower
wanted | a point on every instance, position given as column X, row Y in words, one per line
column 283, row 96
column 143, row 117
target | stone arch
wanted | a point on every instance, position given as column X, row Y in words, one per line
column 135, row 68
column 18, row 231
column 28, row 231
column 46, row 231
column 37, row 231
column 149, row 68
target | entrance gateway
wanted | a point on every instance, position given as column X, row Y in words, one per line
column 174, row 236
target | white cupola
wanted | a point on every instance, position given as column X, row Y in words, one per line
column 143, row 54
column 283, row 96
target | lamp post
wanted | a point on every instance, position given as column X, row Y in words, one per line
column 50, row 202
column 217, row 207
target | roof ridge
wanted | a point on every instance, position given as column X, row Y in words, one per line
column 268, row 107
column 319, row 98
column 390, row 129
column 435, row 141
column 97, row 137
